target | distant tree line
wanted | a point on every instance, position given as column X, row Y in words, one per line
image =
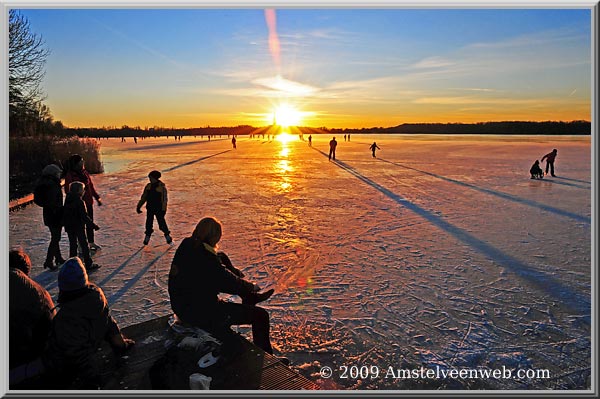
column 509, row 127
column 127, row 131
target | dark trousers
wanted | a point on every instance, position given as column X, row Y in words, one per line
column 160, row 218
column 550, row 165
column 237, row 313
column 88, row 229
column 54, row 247
column 74, row 238
column 332, row 153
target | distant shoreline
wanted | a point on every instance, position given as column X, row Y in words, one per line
column 481, row 128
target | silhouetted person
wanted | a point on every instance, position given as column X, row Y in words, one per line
column 76, row 172
column 53, row 209
column 75, row 220
column 348, row 137
column 310, row 140
column 536, row 171
column 332, row 146
column 374, row 147
column 31, row 310
column 155, row 198
column 79, row 328
column 233, row 140
column 344, row 137
column 550, row 157
column 199, row 274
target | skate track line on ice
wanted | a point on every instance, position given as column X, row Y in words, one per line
column 568, row 297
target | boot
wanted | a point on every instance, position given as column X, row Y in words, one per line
column 168, row 238
column 147, row 239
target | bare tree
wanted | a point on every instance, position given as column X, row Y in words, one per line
column 26, row 59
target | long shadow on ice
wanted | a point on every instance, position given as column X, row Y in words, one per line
column 509, row 197
column 577, row 180
column 132, row 281
column 568, row 297
column 145, row 178
column 118, row 269
column 193, row 161
column 169, row 145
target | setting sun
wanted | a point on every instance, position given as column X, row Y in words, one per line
column 286, row 115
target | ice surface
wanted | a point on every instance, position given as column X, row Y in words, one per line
column 441, row 251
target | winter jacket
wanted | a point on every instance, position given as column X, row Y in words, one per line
column 550, row 156
column 155, row 197
column 195, row 280
column 54, row 207
column 78, row 329
column 83, row 176
column 31, row 310
column 75, row 215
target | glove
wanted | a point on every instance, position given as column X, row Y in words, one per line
column 256, row 288
column 138, row 210
column 99, row 202
column 96, row 227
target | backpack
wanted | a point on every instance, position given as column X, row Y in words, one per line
column 40, row 194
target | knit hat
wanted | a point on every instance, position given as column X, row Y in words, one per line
column 52, row 170
column 72, row 275
column 155, row 174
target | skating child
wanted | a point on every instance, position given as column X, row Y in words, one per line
column 75, row 220
column 155, row 197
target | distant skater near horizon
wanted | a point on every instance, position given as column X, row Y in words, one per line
column 550, row 157
column 233, row 140
column 310, row 140
column 374, row 147
column 332, row 146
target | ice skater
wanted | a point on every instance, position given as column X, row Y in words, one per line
column 536, row 171
column 76, row 220
column 550, row 157
column 310, row 140
column 76, row 172
column 233, row 140
column 374, row 147
column 332, row 146
column 155, row 197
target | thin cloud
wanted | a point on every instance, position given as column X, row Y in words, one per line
column 433, row 62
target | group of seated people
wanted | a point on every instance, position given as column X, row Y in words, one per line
column 58, row 349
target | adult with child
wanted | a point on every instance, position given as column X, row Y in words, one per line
column 76, row 172
column 49, row 192
column 81, row 324
column 196, row 278
column 550, row 157
column 156, row 200
column 76, row 220
column 31, row 310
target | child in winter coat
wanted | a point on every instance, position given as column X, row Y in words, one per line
column 155, row 197
column 75, row 219
column 78, row 329
column 536, row 171
column 76, row 171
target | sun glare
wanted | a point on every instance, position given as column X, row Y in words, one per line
column 286, row 138
column 286, row 115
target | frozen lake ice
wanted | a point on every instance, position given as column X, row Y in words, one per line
column 441, row 252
